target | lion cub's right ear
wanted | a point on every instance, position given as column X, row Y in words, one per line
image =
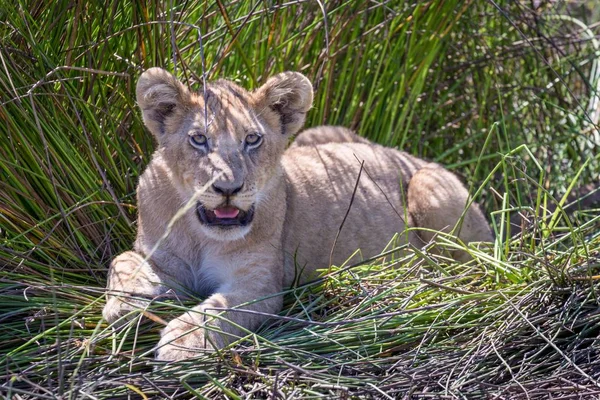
column 289, row 95
column 160, row 95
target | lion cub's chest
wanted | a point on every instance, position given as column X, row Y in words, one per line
column 208, row 269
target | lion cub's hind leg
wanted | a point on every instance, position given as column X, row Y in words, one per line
column 437, row 200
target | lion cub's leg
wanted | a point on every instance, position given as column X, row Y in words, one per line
column 239, row 305
column 131, row 281
column 437, row 200
column 209, row 326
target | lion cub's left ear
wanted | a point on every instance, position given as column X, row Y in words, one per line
column 290, row 96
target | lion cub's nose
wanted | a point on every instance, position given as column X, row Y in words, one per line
column 227, row 189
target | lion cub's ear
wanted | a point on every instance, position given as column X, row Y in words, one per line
column 160, row 95
column 290, row 96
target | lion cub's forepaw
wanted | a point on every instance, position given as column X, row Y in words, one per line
column 117, row 307
column 182, row 338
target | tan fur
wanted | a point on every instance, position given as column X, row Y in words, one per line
column 327, row 134
column 300, row 197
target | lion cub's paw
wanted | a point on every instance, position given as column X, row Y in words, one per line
column 117, row 307
column 182, row 338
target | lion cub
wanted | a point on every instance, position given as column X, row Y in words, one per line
column 260, row 212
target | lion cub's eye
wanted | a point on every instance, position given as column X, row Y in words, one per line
column 199, row 140
column 253, row 140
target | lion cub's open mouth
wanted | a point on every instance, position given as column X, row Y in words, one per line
column 224, row 216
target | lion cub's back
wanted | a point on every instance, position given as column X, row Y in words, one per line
column 320, row 184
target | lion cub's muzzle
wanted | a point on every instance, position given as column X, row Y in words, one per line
column 228, row 213
column 225, row 216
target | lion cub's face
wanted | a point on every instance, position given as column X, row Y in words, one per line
column 225, row 143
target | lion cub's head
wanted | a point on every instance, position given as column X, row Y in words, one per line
column 224, row 133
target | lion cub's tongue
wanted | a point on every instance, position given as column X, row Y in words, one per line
column 226, row 212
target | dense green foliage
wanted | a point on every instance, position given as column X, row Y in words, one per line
column 504, row 94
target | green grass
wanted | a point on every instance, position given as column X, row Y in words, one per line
column 502, row 94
